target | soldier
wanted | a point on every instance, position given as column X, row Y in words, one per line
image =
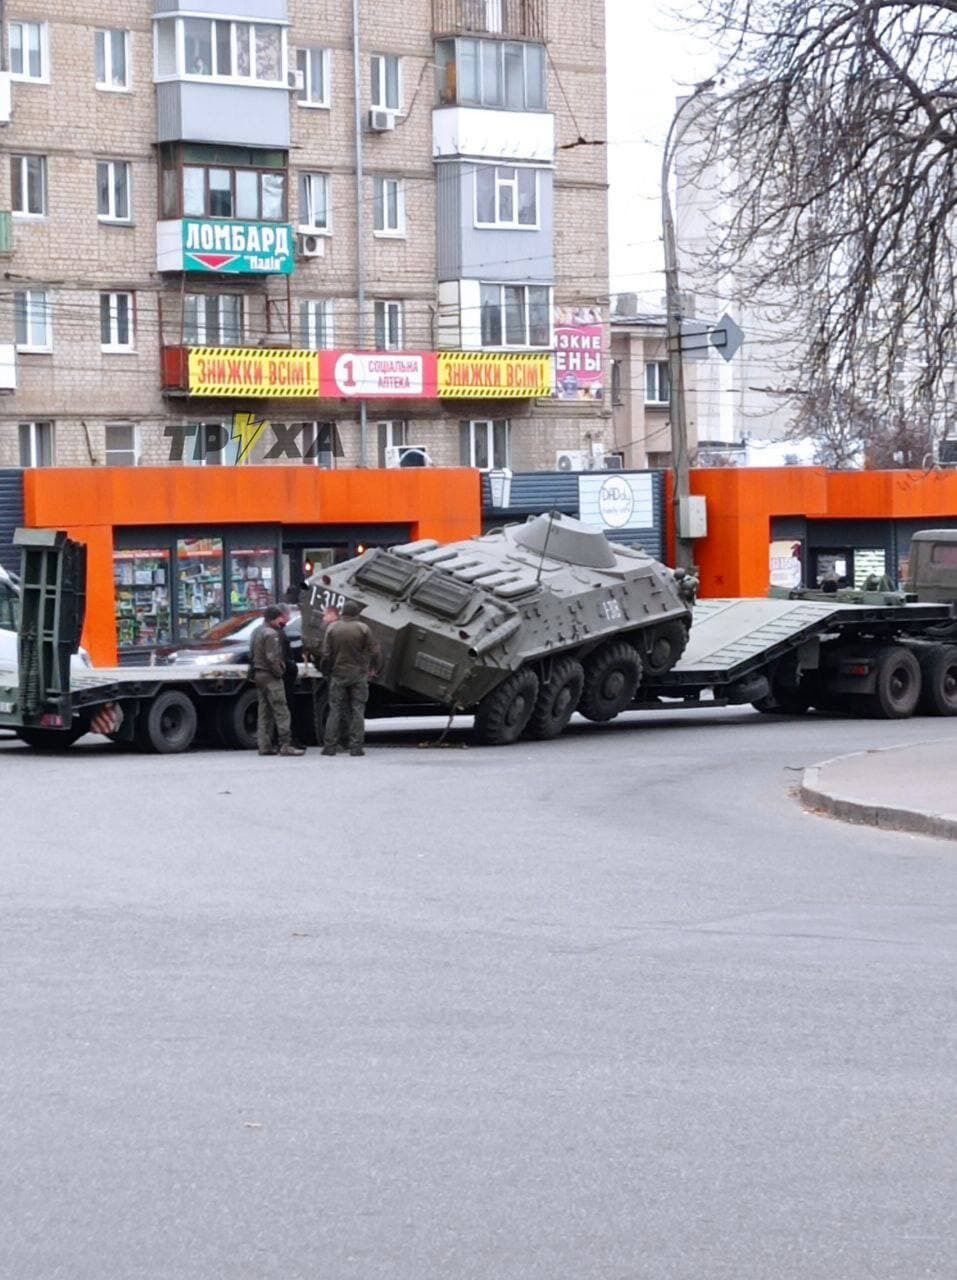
column 349, row 657
column 268, row 663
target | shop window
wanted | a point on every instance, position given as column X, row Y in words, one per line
column 313, row 66
column 141, row 580
column 199, row 585
column 391, row 432
column 516, row 315
column 252, row 578
column 111, row 51
column 386, row 82
column 36, row 444
column 121, row 444
column 485, row 443
column 28, row 186
column 491, row 73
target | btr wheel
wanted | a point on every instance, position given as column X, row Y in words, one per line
column 898, row 685
column 238, row 720
column 502, row 715
column 168, row 723
column 938, row 669
column 662, row 647
column 556, row 700
column 612, row 675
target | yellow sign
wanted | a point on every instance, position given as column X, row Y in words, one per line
column 236, row 371
column 468, row 375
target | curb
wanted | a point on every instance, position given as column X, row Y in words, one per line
column 886, row 817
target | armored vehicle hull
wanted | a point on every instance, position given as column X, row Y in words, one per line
column 521, row 626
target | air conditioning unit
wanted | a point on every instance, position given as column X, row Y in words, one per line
column 296, row 80
column 947, row 453
column 573, row 460
column 311, row 245
column 612, row 462
column 6, row 98
column 407, row 455
column 381, row 121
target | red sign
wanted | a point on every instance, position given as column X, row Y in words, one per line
column 371, row 375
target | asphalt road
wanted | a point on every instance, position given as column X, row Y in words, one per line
column 605, row 1008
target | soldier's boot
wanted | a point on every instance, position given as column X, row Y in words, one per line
column 269, row 751
column 328, row 751
column 290, row 750
column 356, row 751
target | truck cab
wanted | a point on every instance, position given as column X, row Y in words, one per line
column 932, row 569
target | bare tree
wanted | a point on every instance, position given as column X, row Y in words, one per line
column 835, row 124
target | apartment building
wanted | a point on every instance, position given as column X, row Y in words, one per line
column 304, row 234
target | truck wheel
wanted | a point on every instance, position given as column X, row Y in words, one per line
column 662, row 647
column 556, row 700
column 612, row 675
column 898, row 685
column 938, row 669
column 238, row 719
column 168, row 723
column 52, row 739
column 503, row 714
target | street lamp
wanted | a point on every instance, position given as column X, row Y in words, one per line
column 684, row 549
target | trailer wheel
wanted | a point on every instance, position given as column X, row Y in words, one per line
column 238, row 720
column 612, row 675
column 938, row 669
column 556, row 700
column 502, row 715
column 168, row 723
column 662, row 647
column 898, row 685
column 52, row 739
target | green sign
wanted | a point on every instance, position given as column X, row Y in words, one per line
column 247, row 248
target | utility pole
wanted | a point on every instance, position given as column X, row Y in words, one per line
column 684, row 547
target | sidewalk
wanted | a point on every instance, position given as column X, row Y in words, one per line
column 910, row 788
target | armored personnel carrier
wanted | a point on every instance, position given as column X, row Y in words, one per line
column 521, row 626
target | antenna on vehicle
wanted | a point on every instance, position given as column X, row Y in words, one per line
column 548, row 533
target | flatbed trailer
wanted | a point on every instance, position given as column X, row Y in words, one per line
column 889, row 660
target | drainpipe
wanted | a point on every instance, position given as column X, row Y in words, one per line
column 360, row 229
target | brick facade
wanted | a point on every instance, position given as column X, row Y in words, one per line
column 80, row 388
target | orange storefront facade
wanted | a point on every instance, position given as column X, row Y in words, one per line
column 172, row 549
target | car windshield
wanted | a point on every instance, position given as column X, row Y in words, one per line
column 229, row 628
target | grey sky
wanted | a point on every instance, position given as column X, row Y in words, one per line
column 650, row 62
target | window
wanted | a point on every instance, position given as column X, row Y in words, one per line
column 314, row 201
column 222, row 182
column 9, row 606
column 213, row 320
column 28, row 51
column 218, row 49
column 485, row 443
column 392, row 432
column 315, row 323
column 28, row 185
column 319, row 444
column 388, row 326
column 36, row 444
column 516, row 315
column 113, row 190
column 122, row 445
column 388, row 206
column 205, row 445
column 116, row 322
column 491, row 73
column 505, row 196
column 657, row 386
column 313, row 65
column 386, row 82
column 32, row 320
column 111, row 52
column 616, row 397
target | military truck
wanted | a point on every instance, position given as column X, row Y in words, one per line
column 615, row 644
column 520, row 627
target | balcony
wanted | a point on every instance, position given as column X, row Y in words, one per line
column 521, row 19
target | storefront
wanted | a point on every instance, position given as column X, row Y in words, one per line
column 175, row 551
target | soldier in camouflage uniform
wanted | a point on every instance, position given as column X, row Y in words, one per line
column 349, row 657
column 268, row 666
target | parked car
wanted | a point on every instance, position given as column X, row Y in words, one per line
column 9, row 613
column 228, row 641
